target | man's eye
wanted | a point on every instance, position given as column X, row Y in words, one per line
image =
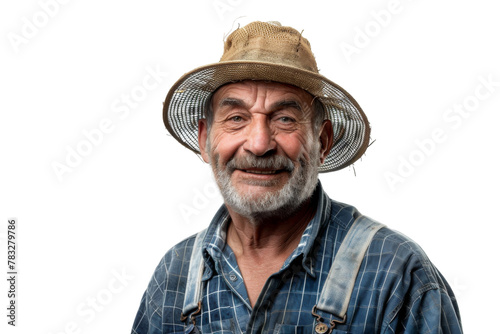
column 285, row 119
column 236, row 119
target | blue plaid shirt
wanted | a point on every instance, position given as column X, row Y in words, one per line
column 397, row 290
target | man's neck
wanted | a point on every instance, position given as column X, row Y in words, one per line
column 262, row 246
column 274, row 235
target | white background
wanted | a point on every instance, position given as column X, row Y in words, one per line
column 137, row 191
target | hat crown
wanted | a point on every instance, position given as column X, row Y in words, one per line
column 269, row 42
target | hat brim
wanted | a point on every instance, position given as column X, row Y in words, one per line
column 185, row 103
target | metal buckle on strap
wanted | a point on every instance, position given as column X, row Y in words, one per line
column 193, row 315
column 321, row 327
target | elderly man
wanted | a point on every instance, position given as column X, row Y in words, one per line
column 280, row 256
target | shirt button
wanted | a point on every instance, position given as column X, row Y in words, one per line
column 233, row 277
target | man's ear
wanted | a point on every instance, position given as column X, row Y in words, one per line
column 202, row 139
column 326, row 139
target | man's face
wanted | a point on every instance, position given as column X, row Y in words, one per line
column 262, row 146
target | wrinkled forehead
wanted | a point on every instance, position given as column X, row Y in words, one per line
column 251, row 90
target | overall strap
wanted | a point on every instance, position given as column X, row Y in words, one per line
column 334, row 298
column 192, row 297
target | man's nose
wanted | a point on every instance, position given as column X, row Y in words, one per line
column 260, row 138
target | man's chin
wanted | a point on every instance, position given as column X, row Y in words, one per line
column 261, row 201
column 256, row 190
column 259, row 182
column 260, row 212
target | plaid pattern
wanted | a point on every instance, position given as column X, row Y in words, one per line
column 397, row 290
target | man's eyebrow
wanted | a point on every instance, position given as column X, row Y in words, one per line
column 286, row 104
column 231, row 102
column 234, row 102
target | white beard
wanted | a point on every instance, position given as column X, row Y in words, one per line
column 283, row 202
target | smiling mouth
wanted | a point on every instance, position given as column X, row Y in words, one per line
column 265, row 172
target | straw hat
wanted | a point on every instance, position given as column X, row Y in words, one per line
column 271, row 52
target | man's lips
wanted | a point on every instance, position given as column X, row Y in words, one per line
column 262, row 171
column 266, row 172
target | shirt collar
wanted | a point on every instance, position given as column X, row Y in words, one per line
column 215, row 239
column 308, row 239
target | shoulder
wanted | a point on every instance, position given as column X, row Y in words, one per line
column 389, row 241
column 403, row 273
column 396, row 281
column 415, row 291
column 177, row 256
column 162, row 302
column 172, row 269
column 391, row 256
column 390, row 251
column 398, row 253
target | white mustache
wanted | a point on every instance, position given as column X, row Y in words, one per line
column 276, row 162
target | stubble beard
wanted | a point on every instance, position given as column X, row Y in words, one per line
column 279, row 203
